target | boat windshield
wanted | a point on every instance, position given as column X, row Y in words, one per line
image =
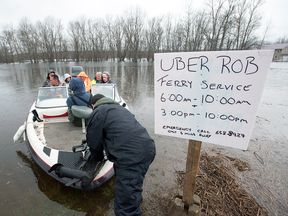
column 108, row 90
column 49, row 97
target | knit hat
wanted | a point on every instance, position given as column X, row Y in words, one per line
column 96, row 97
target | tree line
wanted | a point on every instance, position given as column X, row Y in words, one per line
column 221, row 25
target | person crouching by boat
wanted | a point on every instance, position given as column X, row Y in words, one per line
column 83, row 76
column 97, row 78
column 106, row 78
column 127, row 143
column 80, row 98
column 47, row 81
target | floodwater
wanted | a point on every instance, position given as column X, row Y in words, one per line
column 26, row 190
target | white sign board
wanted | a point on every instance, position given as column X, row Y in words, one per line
column 209, row 96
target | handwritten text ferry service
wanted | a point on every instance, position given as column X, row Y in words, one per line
column 209, row 96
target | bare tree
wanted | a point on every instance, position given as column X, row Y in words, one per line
column 222, row 25
column 212, row 33
column 122, row 43
column 153, row 36
column 63, row 48
column 99, row 40
column 283, row 39
column 177, row 38
column 50, row 34
column 254, row 20
column 84, row 46
column 8, row 44
column 200, row 24
column 247, row 22
column 111, row 40
column 267, row 28
column 168, row 28
column 28, row 37
column 188, row 24
column 220, row 17
column 4, row 51
column 133, row 30
column 227, row 24
column 74, row 32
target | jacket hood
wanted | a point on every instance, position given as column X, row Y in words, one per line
column 77, row 86
column 66, row 76
column 105, row 100
column 50, row 71
column 82, row 74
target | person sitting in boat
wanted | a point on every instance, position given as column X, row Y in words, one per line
column 83, row 76
column 80, row 98
column 106, row 78
column 113, row 128
column 54, row 81
column 47, row 81
column 67, row 78
column 98, row 78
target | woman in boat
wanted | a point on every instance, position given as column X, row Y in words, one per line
column 67, row 78
column 97, row 78
column 83, row 76
column 106, row 78
column 47, row 81
column 80, row 98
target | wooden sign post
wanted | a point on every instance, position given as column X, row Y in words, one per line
column 192, row 163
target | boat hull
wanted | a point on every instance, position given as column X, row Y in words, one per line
column 41, row 139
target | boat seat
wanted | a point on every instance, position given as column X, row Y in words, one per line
column 82, row 112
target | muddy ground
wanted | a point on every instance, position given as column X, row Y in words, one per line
column 216, row 185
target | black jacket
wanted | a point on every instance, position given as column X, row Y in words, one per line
column 115, row 129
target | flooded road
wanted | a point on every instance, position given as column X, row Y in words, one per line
column 27, row 190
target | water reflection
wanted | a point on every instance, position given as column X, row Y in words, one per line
column 94, row 202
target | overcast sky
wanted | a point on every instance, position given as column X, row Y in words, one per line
column 11, row 11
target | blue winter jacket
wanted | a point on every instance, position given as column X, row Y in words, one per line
column 77, row 86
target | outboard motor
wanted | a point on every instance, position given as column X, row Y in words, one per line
column 83, row 176
column 78, row 174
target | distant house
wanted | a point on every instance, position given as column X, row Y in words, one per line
column 280, row 51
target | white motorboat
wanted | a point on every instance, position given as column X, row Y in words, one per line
column 58, row 146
